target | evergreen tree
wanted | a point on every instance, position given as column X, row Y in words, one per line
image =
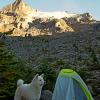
column 11, row 69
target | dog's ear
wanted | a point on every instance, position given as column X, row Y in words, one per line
column 42, row 75
column 36, row 76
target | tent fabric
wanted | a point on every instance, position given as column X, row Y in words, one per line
column 70, row 86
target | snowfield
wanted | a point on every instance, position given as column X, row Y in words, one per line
column 55, row 15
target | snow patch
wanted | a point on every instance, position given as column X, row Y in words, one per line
column 55, row 15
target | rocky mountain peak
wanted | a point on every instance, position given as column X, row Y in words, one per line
column 19, row 7
column 18, row 1
column 16, row 4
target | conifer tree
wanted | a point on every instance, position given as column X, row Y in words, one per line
column 11, row 69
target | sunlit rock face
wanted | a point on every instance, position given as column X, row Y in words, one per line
column 18, row 7
column 20, row 16
column 11, row 16
column 62, row 26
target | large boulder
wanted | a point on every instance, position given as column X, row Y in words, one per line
column 18, row 32
column 4, row 28
column 62, row 26
column 46, row 95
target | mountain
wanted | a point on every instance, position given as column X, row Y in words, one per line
column 22, row 19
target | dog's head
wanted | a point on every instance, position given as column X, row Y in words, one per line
column 38, row 80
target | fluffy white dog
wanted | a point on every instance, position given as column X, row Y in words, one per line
column 30, row 91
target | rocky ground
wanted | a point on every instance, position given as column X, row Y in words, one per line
column 71, row 48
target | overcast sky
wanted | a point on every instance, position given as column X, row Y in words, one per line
column 73, row 6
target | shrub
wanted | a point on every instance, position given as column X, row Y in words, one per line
column 49, row 72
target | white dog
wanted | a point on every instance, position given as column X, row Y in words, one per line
column 30, row 91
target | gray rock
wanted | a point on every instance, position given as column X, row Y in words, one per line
column 46, row 95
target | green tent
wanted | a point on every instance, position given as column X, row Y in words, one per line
column 70, row 86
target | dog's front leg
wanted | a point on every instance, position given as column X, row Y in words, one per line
column 17, row 96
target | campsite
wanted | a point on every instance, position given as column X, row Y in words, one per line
column 59, row 39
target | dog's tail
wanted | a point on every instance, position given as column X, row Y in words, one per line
column 20, row 82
